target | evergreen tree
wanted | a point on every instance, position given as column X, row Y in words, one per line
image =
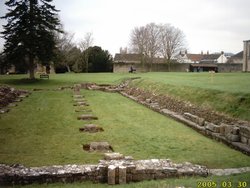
column 29, row 32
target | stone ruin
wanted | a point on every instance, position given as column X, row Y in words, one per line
column 91, row 128
column 98, row 147
column 112, row 171
column 87, row 117
column 9, row 96
column 235, row 133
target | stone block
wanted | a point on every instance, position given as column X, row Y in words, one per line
column 91, row 128
column 195, row 119
column 222, row 129
column 111, row 174
column 87, row 117
column 232, row 137
column 113, row 156
column 79, row 100
column 212, row 127
column 122, row 175
column 228, row 129
column 98, row 146
column 245, row 131
column 243, row 139
column 78, row 96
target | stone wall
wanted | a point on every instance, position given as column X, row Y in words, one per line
column 230, row 67
column 107, row 171
column 174, row 67
column 234, row 133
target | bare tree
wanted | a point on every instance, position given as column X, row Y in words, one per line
column 153, row 32
column 171, row 41
column 154, row 39
column 64, row 43
column 84, row 45
column 138, row 40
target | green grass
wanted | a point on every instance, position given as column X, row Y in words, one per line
column 229, row 94
column 220, row 182
column 58, row 80
column 43, row 130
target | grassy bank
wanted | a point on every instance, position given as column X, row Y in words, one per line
column 228, row 94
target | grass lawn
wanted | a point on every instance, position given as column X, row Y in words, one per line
column 228, row 93
column 43, row 129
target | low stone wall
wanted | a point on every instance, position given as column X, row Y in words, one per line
column 107, row 171
column 235, row 135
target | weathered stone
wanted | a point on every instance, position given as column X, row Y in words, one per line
column 18, row 100
column 122, row 175
column 245, row 131
column 222, row 129
column 78, row 96
column 128, row 158
column 81, row 104
column 91, row 128
column 243, row 139
column 87, row 117
column 111, row 174
column 212, row 127
column 113, row 156
column 228, row 129
column 233, row 137
column 79, row 100
column 195, row 119
column 98, row 146
column 23, row 95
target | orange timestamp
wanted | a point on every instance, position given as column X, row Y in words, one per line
column 223, row 184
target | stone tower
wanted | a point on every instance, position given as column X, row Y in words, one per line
column 246, row 56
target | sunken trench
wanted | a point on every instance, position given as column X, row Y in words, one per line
column 231, row 131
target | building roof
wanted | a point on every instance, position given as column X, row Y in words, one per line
column 238, row 55
column 211, row 56
column 127, row 57
column 195, row 57
column 203, row 57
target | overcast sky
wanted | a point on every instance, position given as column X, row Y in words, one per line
column 214, row 25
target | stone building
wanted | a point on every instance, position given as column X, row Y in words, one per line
column 237, row 58
column 246, row 56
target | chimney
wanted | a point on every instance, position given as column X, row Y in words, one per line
column 186, row 52
column 201, row 52
column 222, row 52
column 208, row 52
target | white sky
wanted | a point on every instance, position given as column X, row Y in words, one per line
column 214, row 25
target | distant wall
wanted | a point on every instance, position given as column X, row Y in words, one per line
column 173, row 67
column 230, row 67
column 155, row 67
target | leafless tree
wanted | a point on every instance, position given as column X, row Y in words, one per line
column 154, row 39
column 139, row 40
column 84, row 45
column 64, row 43
column 153, row 32
column 171, row 41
